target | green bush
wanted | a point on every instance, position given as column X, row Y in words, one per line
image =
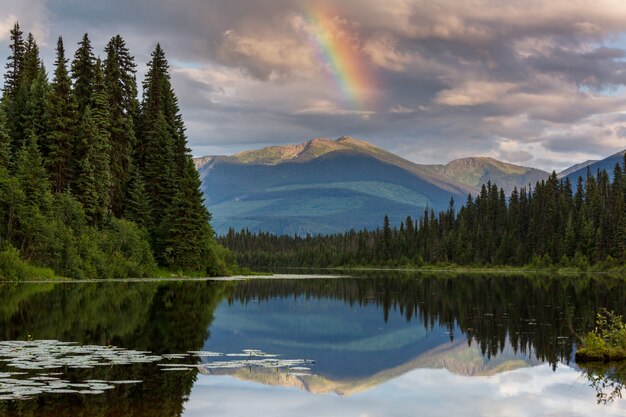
column 127, row 250
column 606, row 342
column 13, row 268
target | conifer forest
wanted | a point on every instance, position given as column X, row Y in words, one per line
column 96, row 182
column 553, row 223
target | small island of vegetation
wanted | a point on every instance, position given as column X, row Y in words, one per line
column 606, row 342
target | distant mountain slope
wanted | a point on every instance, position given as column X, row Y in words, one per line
column 321, row 186
column 605, row 164
column 458, row 358
column 576, row 167
column 327, row 186
column 479, row 170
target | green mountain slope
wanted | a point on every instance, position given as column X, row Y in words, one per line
column 328, row 186
column 477, row 171
column 321, row 186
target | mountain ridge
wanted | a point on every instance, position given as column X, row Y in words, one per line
column 442, row 174
column 327, row 186
column 607, row 164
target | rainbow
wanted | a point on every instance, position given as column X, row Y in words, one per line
column 342, row 56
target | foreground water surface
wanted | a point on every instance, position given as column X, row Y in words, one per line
column 386, row 344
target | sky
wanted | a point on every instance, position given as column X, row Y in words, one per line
column 536, row 83
column 526, row 392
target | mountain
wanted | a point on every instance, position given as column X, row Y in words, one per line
column 458, row 358
column 575, row 168
column 477, row 171
column 327, row 186
column 321, row 186
column 605, row 164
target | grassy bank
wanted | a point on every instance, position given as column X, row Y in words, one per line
column 13, row 268
column 473, row 269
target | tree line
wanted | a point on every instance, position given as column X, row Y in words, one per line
column 552, row 223
column 95, row 182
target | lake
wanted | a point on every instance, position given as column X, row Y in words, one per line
column 375, row 344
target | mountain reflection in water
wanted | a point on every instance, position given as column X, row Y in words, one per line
column 372, row 339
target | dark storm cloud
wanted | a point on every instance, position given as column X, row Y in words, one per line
column 534, row 82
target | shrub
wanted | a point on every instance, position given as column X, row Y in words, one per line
column 12, row 267
column 607, row 341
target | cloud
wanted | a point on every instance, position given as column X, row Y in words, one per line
column 267, row 58
column 383, row 52
column 523, row 392
column 6, row 25
column 473, row 93
column 32, row 16
column 325, row 107
column 448, row 79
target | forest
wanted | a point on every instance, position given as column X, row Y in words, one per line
column 96, row 180
column 554, row 223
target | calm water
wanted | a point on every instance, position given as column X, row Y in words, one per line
column 380, row 345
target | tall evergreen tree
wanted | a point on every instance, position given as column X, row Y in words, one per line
column 158, row 152
column 32, row 64
column 61, row 124
column 137, row 207
column 5, row 141
column 158, row 170
column 121, row 88
column 14, row 64
column 29, row 103
column 83, row 73
column 172, row 183
column 102, row 147
column 35, row 112
column 34, row 211
column 188, row 236
column 32, row 176
column 93, row 180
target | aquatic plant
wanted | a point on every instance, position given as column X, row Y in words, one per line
column 608, row 380
column 36, row 361
column 606, row 342
column 253, row 359
column 36, row 367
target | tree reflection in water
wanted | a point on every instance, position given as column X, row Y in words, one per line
column 608, row 379
column 538, row 316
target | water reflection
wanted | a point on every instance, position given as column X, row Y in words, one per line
column 533, row 391
column 155, row 317
column 367, row 336
column 609, row 380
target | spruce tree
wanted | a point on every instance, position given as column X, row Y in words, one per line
column 31, row 64
column 19, row 104
column 35, row 210
column 179, row 220
column 12, row 81
column 14, row 64
column 8, row 186
column 32, row 176
column 35, row 111
column 137, row 207
column 91, row 188
column 161, row 182
column 83, row 73
column 61, row 125
column 185, row 230
column 102, row 146
column 159, row 98
column 121, row 88
column 5, row 141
